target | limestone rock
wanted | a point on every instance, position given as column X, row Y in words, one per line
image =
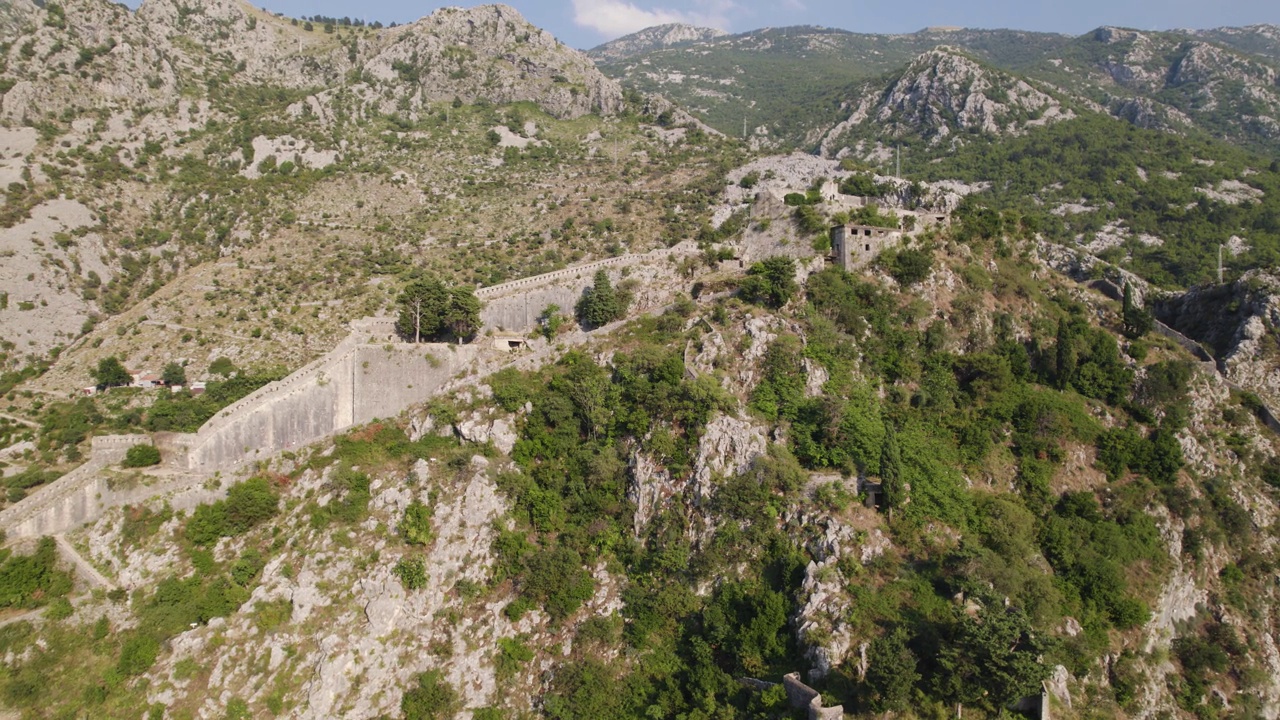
column 729, row 445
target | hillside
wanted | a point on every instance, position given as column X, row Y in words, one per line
column 709, row 463
column 472, row 383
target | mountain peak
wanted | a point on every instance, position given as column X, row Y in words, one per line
column 653, row 38
column 944, row 92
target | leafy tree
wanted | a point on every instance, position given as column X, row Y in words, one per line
column 174, row 374
column 781, row 388
column 141, row 456
column 550, row 321
column 222, row 366
column 770, row 282
column 910, row 266
column 110, row 373
column 432, row 310
column 991, row 660
column 600, row 304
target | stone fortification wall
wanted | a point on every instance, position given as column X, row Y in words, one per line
column 72, row 498
column 515, row 306
column 389, row 378
column 369, row 375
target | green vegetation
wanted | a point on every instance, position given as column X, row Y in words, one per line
column 432, row 310
column 141, row 456
column 1100, row 162
column 110, row 373
column 433, row 698
column 248, row 504
column 415, row 527
column 29, row 581
column 601, row 303
column 770, row 282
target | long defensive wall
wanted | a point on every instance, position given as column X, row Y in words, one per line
column 370, row 374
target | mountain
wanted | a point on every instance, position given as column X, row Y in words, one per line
column 941, row 94
column 671, row 445
column 1220, row 82
column 650, row 39
column 180, row 105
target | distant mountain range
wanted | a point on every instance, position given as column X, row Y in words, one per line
column 790, row 86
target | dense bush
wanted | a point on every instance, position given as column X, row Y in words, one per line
column 770, row 282
column 28, row 581
column 141, row 456
column 432, row 698
column 248, row 504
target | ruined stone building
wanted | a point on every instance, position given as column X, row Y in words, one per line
column 853, row 246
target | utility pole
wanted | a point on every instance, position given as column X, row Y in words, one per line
column 898, row 171
column 1220, row 246
column 744, row 127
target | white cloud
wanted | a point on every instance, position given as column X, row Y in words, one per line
column 614, row 18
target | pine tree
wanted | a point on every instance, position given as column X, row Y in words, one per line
column 891, row 671
column 600, row 303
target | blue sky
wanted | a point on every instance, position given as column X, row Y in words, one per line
column 586, row 23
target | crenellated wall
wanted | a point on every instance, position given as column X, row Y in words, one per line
column 515, row 306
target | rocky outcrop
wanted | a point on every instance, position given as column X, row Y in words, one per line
column 943, row 92
column 1239, row 322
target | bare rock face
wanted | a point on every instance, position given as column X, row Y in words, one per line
column 943, row 92
column 1204, row 63
column 649, row 487
column 1238, row 321
column 729, row 446
column 490, row 52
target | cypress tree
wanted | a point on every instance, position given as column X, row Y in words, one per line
column 891, row 484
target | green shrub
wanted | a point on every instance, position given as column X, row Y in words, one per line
column 28, row 581
column 141, row 456
column 431, row 698
column 412, row 572
column 248, row 504
column 770, row 282
column 415, row 526
column 138, row 654
column 909, row 266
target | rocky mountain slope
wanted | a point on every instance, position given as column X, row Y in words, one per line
column 564, row 537
column 654, row 38
column 126, row 129
column 943, row 94
column 1216, row 81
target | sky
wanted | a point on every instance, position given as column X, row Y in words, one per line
column 586, row 23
